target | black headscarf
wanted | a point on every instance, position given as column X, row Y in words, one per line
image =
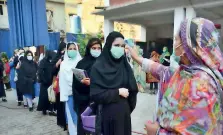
column 109, row 73
column 45, row 74
column 59, row 54
column 49, row 55
column 88, row 60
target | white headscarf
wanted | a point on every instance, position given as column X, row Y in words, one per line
column 66, row 74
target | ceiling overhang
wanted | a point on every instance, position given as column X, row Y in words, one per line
column 152, row 7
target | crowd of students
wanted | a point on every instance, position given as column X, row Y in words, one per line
column 190, row 88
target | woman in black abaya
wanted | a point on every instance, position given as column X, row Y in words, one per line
column 114, row 87
column 45, row 78
column 61, row 119
column 81, row 90
column 27, row 78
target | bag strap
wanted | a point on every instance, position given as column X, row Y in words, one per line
column 219, row 88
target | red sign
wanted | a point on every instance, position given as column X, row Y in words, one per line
column 119, row 2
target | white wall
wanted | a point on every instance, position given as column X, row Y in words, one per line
column 220, row 21
column 4, row 23
column 58, row 15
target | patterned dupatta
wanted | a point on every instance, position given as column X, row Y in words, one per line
column 191, row 101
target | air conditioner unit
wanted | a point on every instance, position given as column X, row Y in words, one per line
column 4, row 23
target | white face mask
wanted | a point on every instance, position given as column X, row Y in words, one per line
column 95, row 53
column 30, row 58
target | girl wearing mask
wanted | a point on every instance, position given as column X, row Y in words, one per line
column 190, row 96
column 45, row 78
column 113, row 85
column 27, row 79
column 17, row 62
column 81, row 90
column 71, row 58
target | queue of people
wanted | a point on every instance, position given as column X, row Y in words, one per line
column 189, row 90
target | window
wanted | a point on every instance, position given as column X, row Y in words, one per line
column 1, row 10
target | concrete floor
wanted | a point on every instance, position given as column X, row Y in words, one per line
column 19, row 121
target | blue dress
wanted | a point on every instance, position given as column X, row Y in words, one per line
column 12, row 75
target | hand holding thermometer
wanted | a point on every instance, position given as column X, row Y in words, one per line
column 130, row 42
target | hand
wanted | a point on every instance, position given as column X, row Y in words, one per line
column 86, row 81
column 58, row 63
column 151, row 128
column 18, row 66
column 135, row 55
column 124, row 92
column 133, row 52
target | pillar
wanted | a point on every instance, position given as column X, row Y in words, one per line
column 107, row 3
column 190, row 13
column 108, row 27
column 143, row 34
column 179, row 16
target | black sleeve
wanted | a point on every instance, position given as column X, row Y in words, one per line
column 16, row 61
column 79, row 87
column 132, row 99
column 40, row 73
column 35, row 75
column 109, row 96
column 55, row 70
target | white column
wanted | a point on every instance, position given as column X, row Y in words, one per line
column 143, row 33
column 71, row 24
column 108, row 27
column 79, row 10
column 190, row 13
column 107, row 3
column 179, row 16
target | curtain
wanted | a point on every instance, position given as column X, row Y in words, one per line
column 54, row 40
column 28, row 23
column 5, row 42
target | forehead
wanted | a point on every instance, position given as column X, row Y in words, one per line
column 96, row 45
column 119, row 41
column 72, row 46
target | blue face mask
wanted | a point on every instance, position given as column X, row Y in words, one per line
column 117, row 52
column 174, row 62
column 72, row 53
column 95, row 53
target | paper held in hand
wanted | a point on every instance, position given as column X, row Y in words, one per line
column 80, row 74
